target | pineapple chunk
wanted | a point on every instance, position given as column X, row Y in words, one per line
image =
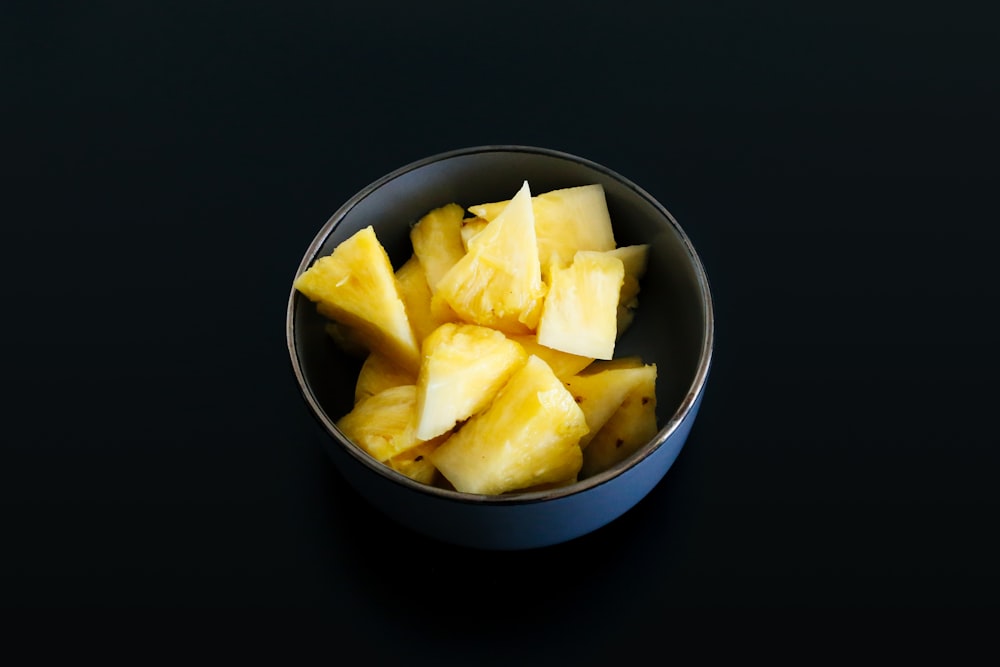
column 600, row 394
column 566, row 220
column 383, row 424
column 628, row 429
column 379, row 373
column 498, row 283
column 470, row 228
column 415, row 464
column 356, row 286
column 563, row 364
column 464, row 366
column 528, row 436
column 437, row 241
column 635, row 259
column 416, row 295
column 580, row 313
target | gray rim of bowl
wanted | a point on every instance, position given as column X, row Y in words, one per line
column 694, row 391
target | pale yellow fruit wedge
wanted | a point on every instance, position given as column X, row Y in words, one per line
column 580, row 313
column 628, row 429
column 498, row 282
column 417, row 298
column 527, row 437
column 601, row 394
column 635, row 259
column 356, row 286
column 415, row 464
column 463, row 368
column 566, row 220
column 379, row 373
column 470, row 228
column 563, row 364
column 383, row 424
column 437, row 241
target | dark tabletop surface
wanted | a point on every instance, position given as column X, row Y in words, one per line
column 167, row 165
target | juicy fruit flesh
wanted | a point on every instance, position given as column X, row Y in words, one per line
column 566, row 220
column 580, row 314
column 356, row 286
column 628, row 429
column 464, row 366
column 528, row 436
column 601, row 394
column 488, row 355
column 498, row 282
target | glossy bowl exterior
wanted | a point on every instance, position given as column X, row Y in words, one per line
column 673, row 327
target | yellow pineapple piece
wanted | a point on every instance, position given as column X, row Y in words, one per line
column 563, row 364
column 470, row 228
column 356, row 286
column 635, row 258
column 379, row 372
column 383, row 424
column 566, row 220
column 498, row 282
column 601, row 393
column 528, row 436
column 580, row 313
column 416, row 295
column 437, row 241
column 463, row 367
column 415, row 464
column 627, row 430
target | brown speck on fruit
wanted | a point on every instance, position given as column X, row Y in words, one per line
column 645, row 399
column 419, row 458
column 578, row 399
column 619, row 442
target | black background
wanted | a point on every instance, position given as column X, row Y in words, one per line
column 168, row 163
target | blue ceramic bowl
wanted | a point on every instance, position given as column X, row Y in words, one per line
column 673, row 328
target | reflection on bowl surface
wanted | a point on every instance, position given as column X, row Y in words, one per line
column 673, row 328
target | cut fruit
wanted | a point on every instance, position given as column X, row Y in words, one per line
column 566, row 220
column 498, row 282
column 356, row 286
column 463, row 368
column 634, row 259
column 437, row 241
column 379, row 373
column 600, row 394
column 580, row 313
column 563, row 364
column 527, row 437
column 416, row 295
column 415, row 464
column 629, row 428
column 383, row 424
column 470, row 228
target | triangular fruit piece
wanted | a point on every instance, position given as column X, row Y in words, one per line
column 356, row 286
column 602, row 393
column 527, row 437
column 629, row 428
column 498, row 282
column 463, row 368
column 580, row 313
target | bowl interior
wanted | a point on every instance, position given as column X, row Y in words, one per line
column 671, row 323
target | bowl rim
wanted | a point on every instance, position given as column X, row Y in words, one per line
column 695, row 389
